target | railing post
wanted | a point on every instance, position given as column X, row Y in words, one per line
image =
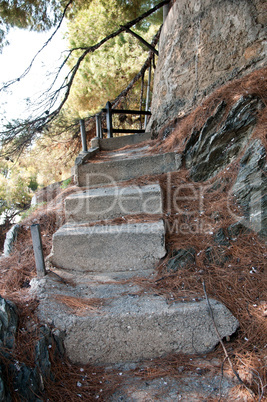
column 109, row 120
column 38, row 250
column 99, row 132
column 148, row 94
column 83, row 135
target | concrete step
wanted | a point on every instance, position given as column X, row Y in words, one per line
column 112, row 202
column 125, row 167
column 109, row 144
column 202, row 382
column 130, row 249
column 127, row 324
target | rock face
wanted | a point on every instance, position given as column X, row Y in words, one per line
column 250, row 188
column 27, row 381
column 204, row 44
column 220, row 141
column 8, row 323
column 10, row 239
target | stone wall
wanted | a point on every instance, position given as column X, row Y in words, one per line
column 204, row 44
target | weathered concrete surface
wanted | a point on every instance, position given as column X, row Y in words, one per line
column 86, row 155
column 204, row 44
column 113, row 171
column 202, row 382
column 130, row 326
column 146, row 328
column 109, row 144
column 131, row 248
column 112, row 202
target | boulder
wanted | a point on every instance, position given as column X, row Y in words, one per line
column 3, row 394
column 27, row 381
column 8, row 323
column 10, row 239
column 235, row 230
column 216, row 256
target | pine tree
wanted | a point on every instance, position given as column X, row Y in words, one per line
column 106, row 72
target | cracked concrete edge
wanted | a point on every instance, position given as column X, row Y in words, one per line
column 80, row 160
column 84, row 156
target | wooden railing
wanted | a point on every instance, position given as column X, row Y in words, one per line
column 110, row 129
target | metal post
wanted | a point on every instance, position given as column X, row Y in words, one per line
column 97, row 125
column 100, row 125
column 148, row 93
column 99, row 133
column 83, row 135
column 166, row 10
column 38, row 250
column 109, row 120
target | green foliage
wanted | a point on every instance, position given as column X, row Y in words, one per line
column 49, row 160
column 102, row 76
column 15, row 194
column 66, row 183
column 38, row 15
column 33, row 184
column 106, row 72
column 29, row 211
column 48, row 156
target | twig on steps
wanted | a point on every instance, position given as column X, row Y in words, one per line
column 222, row 344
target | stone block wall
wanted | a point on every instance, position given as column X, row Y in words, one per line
column 204, row 44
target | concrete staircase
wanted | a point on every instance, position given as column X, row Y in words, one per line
column 105, row 318
column 128, row 249
column 124, row 164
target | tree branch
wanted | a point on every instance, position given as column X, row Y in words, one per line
column 22, row 133
column 142, row 40
column 141, row 72
column 93, row 48
column 27, row 70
